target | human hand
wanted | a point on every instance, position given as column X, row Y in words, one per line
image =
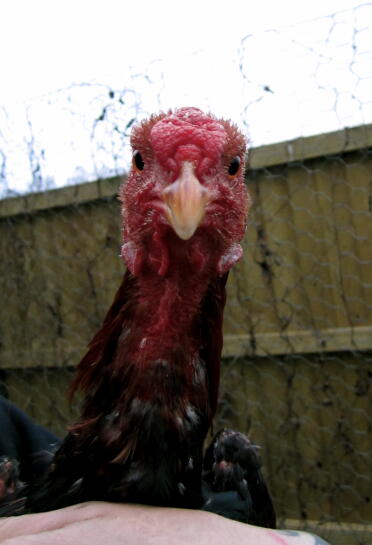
column 99, row 523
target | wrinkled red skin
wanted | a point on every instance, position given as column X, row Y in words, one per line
column 150, row 377
column 165, row 142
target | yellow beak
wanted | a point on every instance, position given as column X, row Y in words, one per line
column 185, row 201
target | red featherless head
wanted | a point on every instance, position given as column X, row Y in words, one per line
column 185, row 193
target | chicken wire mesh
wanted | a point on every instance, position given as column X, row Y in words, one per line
column 298, row 325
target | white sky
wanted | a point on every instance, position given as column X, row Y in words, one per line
column 191, row 52
column 47, row 44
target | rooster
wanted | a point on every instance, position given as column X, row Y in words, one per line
column 150, row 377
column 233, row 485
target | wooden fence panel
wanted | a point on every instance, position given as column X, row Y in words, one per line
column 298, row 322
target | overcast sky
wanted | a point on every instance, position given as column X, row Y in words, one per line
column 181, row 53
column 47, row 44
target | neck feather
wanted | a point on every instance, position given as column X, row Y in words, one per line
column 174, row 319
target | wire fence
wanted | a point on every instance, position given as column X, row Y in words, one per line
column 304, row 79
column 298, row 327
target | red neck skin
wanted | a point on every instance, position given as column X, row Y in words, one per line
column 165, row 326
column 165, row 310
column 159, row 321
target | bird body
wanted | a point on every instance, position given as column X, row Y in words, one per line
column 233, row 484
column 150, row 377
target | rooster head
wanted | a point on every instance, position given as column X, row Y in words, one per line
column 185, row 193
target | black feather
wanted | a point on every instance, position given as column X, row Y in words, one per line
column 233, row 485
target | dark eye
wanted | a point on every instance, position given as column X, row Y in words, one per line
column 138, row 162
column 234, row 166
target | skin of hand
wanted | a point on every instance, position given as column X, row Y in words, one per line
column 99, row 523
